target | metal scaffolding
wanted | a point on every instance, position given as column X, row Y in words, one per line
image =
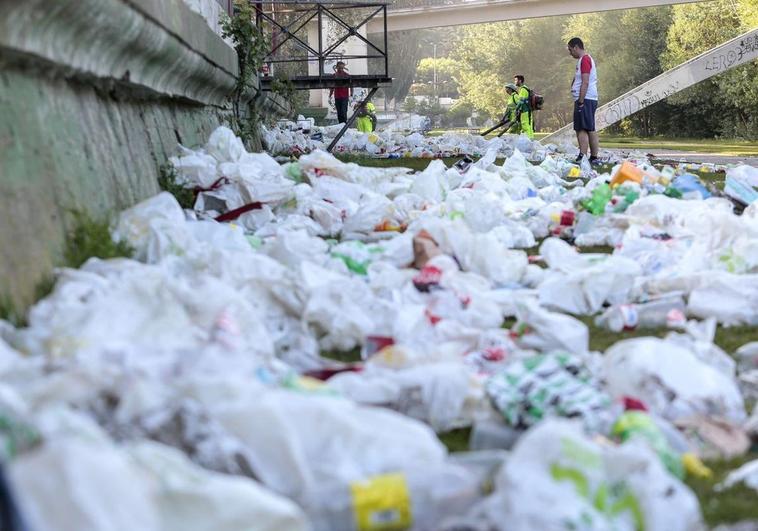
column 285, row 21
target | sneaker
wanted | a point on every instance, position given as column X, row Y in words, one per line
column 595, row 161
column 579, row 158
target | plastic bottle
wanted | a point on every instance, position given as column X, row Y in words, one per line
column 627, row 172
column 600, row 198
column 668, row 173
column 625, row 196
column 654, row 314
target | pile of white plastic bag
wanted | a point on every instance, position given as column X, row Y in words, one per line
column 187, row 388
column 292, row 138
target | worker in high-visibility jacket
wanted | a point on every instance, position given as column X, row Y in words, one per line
column 365, row 121
column 519, row 111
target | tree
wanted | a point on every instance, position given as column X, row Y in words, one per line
column 410, row 105
column 431, row 108
column 490, row 55
column 727, row 104
column 457, row 115
column 446, row 83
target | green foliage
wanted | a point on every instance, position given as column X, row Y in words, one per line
column 251, row 47
column 87, row 238
column 725, row 105
column 284, row 88
column 446, row 83
column 405, row 44
column 9, row 311
column 431, row 107
column 90, row 237
column 410, row 104
column 456, row 116
column 168, row 182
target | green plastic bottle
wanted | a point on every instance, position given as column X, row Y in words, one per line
column 600, row 198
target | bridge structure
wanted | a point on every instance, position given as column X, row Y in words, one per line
column 405, row 15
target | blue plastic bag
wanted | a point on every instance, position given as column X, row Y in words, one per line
column 689, row 184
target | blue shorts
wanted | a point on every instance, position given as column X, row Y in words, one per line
column 584, row 118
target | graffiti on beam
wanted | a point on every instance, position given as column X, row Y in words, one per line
column 724, row 60
column 627, row 106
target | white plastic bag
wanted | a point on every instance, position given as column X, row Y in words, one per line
column 191, row 498
column 136, row 225
column 556, row 478
column 551, row 331
column 225, row 146
column 293, row 447
column 671, row 380
column 195, row 168
column 433, row 393
column 431, row 183
column 69, row 483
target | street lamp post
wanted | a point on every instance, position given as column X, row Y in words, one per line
column 434, row 71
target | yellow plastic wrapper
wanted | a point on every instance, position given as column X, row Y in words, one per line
column 382, row 503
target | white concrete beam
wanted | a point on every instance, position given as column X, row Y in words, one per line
column 482, row 11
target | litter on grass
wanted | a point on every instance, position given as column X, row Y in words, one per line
column 196, row 374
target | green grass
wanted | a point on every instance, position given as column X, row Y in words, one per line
column 456, row 440
column 168, row 182
column 732, row 148
column 730, row 506
column 91, row 237
column 350, row 356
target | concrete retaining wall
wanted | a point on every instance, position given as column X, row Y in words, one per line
column 94, row 96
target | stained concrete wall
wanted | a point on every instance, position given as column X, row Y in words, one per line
column 94, row 97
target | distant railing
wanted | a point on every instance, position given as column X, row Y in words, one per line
column 406, row 4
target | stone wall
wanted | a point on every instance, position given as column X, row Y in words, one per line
column 94, row 97
column 210, row 10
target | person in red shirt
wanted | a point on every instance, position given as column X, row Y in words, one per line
column 585, row 93
column 341, row 94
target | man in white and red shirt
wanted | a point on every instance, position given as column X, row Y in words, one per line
column 584, row 91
